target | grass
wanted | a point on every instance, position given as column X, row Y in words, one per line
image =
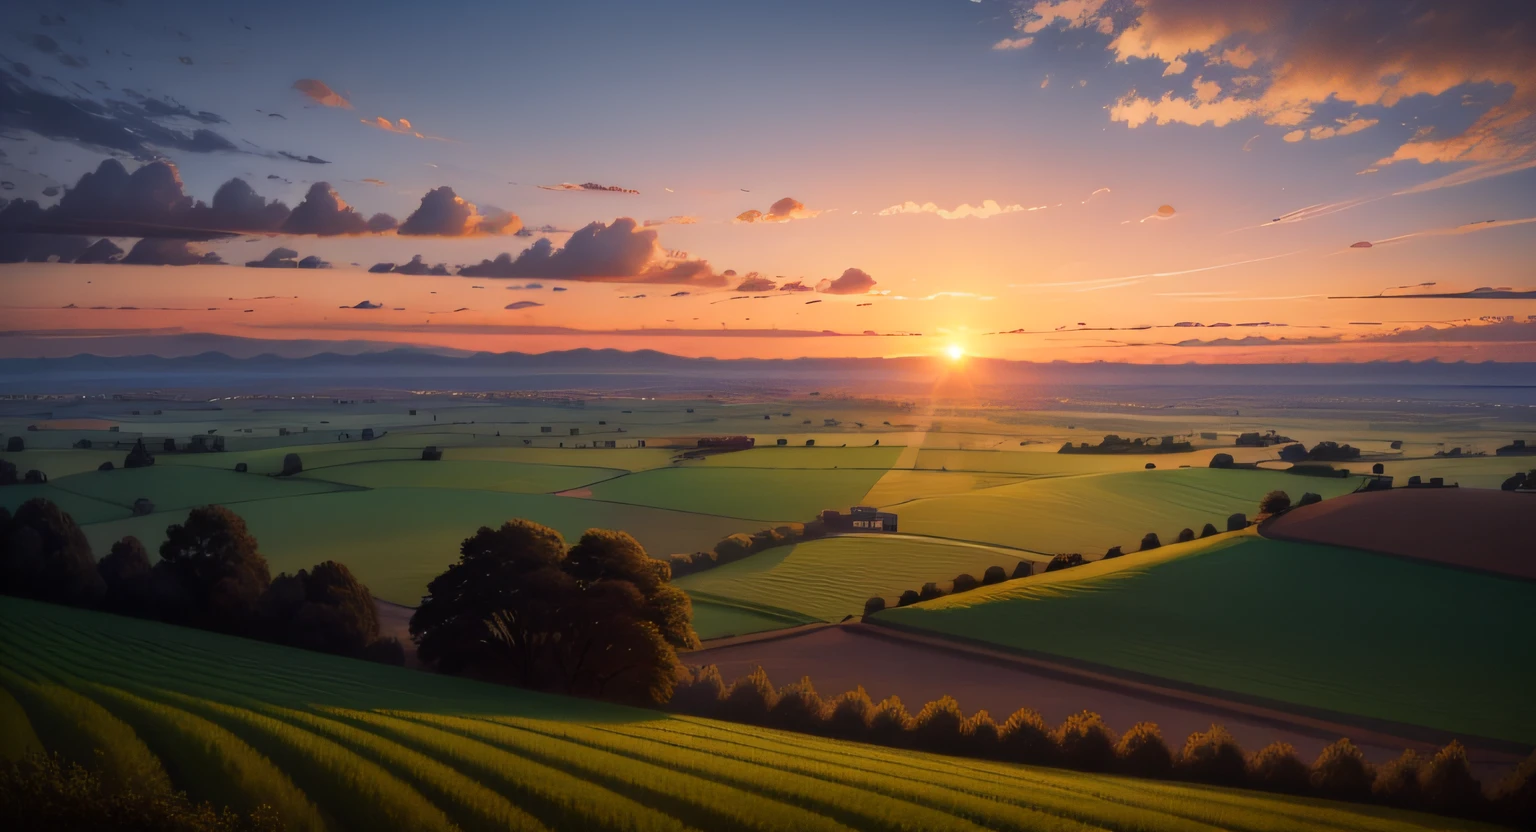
column 1089, row 514
column 182, row 487
column 783, row 494
column 900, row 485
column 716, row 617
column 477, row 474
column 1316, row 626
column 369, row 746
column 1043, row 461
column 789, row 456
column 83, row 509
column 831, row 578
column 398, row 539
column 61, row 463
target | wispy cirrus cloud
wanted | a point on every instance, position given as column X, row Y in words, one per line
column 987, row 208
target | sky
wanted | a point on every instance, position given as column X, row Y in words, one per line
column 1046, row 180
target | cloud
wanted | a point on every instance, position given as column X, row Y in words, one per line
column 515, row 287
column 101, row 251
column 616, row 253
column 1362, row 53
column 796, row 286
column 308, row 160
column 324, row 214
column 277, row 258
column 41, row 248
column 1452, row 231
column 589, row 186
column 754, row 282
column 443, row 213
column 1037, row 16
column 677, row 220
column 371, row 181
column 367, row 304
column 1012, row 43
column 523, row 304
column 153, row 251
column 402, row 126
column 850, row 282
column 987, row 208
column 322, row 94
column 784, row 210
column 417, row 266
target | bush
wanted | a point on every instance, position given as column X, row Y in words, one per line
column 849, row 715
column 1397, row 782
column 385, row 651
column 15, row 445
column 44, row 555
column 1114, row 552
column 698, row 691
column 1064, row 561
column 1515, row 797
column 1293, row 453
column 1448, row 785
column 125, row 574
column 1342, row 773
column 930, row 591
column 326, row 609
column 1222, row 461
column 291, row 465
column 1309, row 498
column 1150, row 465
column 1274, row 502
column 7, row 472
column 1378, row 468
column 964, row 583
column 1142, row 752
column 908, row 598
column 938, row 727
column 733, row 548
column 1209, row 530
column 993, row 575
column 1024, row 738
column 889, row 724
column 1186, row 535
column 44, row 792
column 874, row 605
column 1213, row 757
column 1276, row 768
column 138, row 456
column 1237, row 522
column 1085, row 743
column 798, row 708
column 1150, row 542
column 1022, row 569
column 983, row 733
column 106, row 466
column 749, row 699
column 35, row 477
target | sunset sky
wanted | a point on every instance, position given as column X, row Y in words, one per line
column 1042, row 180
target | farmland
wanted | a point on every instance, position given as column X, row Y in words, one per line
column 1284, row 622
column 750, row 493
column 335, row 743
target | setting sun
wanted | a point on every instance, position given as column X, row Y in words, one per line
column 955, row 352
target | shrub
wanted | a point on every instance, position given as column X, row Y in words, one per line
column 733, row 548
column 1515, row 797
column 938, row 727
column 798, row 708
column 44, row 555
column 125, row 574
column 1024, row 738
column 1085, row 743
column 35, row 477
column 698, row 691
column 749, row 699
column 1064, row 561
column 15, row 445
column 138, row 456
column 930, row 591
column 1448, row 785
column 1142, row 752
column 1186, row 535
column 1341, row 772
column 1237, row 522
column 241, row 468
column 1397, row 782
column 1209, row 530
column 7, row 472
column 1293, row 453
column 1114, row 552
column 908, row 598
column 106, row 466
column 1150, row 465
column 1309, row 498
column 849, row 715
column 874, row 605
column 993, row 575
column 983, row 733
column 1274, row 502
column 385, row 651
column 1222, row 461
column 1276, row 768
column 1150, row 542
column 964, row 583
column 1213, row 757
column 1378, row 468
column 889, row 724
column 291, row 465
column 1022, row 569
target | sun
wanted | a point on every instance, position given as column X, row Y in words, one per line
column 955, row 352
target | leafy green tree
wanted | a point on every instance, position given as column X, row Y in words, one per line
column 211, row 573
column 325, row 609
column 125, row 571
column 44, row 555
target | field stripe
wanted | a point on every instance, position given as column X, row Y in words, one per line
column 17, row 739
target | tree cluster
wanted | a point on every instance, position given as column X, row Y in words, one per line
column 210, row 575
column 598, row 619
column 1441, row 783
column 740, row 545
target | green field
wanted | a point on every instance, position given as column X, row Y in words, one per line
column 783, row 494
column 1089, row 514
column 831, row 578
column 801, row 456
column 476, row 474
column 721, row 617
column 181, row 487
column 62, row 463
column 1043, row 461
column 337, row 743
column 898, row 485
column 83, row 509
column 398, row 539
column 1317, row 626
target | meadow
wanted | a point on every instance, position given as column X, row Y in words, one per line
column 335, row 743
column 766, row 494
column 1293, row 623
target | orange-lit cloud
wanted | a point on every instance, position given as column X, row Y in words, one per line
column 784, row 210
column 402, row 126
column 987, row 208
column 588, row 187
column 850, row 282
column 442, row 213
column 322, row 94
column 619, row 252
column 677, row 220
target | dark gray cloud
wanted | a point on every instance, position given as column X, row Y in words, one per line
column 850, row 282
column 277, row 258
column 101, row 251
column 417, row 266
column 41, row 248
column 796, row 286
column 153, row 251
column 308, row 160
column 324, row 214
column 321, row 93
column 620, row 252
column 442, row 213
column 523, row 304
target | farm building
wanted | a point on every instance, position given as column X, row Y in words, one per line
column 859, row 519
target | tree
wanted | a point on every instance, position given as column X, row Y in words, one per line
column 1274, row 502
column 138, row 456
column 601, row 619
column 964, row 582
column 1142, row 752
column 1221, row 461
column 44, row 555
column 1208, row 530
column 211, row 573
column 1276, row 767
column 291, row 465
column 15, row 445
column 1085, row 742
column 325, row 609
column 8, row 473
column 125, row 572
column 1341, row 772
column 1150, row 542
column 874, row 605
column 35, row 477
column 1213, row 757
column 1293, row 453
column 993, row 575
